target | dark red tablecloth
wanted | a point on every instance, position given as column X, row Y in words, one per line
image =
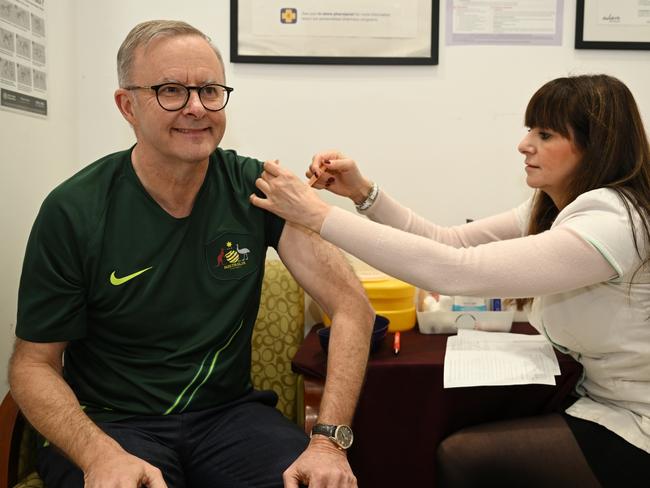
column 404, row 412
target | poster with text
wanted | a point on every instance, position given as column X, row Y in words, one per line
column 23, row 57
column 335, row 31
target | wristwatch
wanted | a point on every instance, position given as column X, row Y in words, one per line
column 341, row 435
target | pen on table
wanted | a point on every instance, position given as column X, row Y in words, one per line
column 396, row 343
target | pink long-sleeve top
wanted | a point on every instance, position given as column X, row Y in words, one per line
column 591, row 293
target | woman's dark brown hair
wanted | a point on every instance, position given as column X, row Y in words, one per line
column 599, row 114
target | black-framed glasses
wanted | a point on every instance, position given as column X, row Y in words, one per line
column 174, row 96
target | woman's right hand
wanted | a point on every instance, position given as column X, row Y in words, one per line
column 339, row 174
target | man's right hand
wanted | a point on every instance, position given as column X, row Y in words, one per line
column 122, row 470
column 37, row 385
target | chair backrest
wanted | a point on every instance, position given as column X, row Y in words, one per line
column 12, row 435
column 278, row 333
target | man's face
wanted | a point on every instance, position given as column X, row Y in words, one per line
column 187, row 135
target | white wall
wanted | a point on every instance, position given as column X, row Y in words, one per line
column 442, row 139
column 36, row 155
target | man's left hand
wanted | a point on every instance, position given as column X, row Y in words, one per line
column 322, row 465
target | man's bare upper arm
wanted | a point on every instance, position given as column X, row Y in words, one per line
column 319, row 267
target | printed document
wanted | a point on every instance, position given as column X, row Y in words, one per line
column 477, row 358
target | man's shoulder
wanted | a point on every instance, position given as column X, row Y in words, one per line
column 90, row 181
column 231, row 162
column 84, row 196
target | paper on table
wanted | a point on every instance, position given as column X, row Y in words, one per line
column 477, row 358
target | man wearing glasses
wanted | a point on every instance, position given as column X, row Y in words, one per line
column 145, row 268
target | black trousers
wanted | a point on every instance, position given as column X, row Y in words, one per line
column 613, row 460
column 245, row 444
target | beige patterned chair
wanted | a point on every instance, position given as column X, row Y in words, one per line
column 278, row 333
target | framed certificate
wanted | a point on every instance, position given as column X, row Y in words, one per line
column 613, row 24
column 334, row 31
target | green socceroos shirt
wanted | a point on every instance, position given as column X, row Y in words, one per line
column 157, row 311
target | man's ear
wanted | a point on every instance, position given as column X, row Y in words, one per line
column 124, row 103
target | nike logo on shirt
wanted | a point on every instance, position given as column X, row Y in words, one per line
column 115, row 281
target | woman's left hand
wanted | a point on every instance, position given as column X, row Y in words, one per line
column 289, row 197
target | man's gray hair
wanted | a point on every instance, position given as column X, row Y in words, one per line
column 143, row 33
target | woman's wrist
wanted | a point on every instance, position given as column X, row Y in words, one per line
column 370, row 199
column 315, row 218
column 362, row 193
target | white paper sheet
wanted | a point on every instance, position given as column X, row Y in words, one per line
column 476, row 358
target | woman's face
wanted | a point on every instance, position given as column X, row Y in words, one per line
column 551, row 160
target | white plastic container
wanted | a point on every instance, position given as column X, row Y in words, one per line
column 448, row 322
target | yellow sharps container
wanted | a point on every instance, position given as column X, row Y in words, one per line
column 391, row 298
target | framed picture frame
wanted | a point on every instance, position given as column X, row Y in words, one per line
column 612, row 24
column 365, row 32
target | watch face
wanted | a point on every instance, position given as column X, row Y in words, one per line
column 344, row 436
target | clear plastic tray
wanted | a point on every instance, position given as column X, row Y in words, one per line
column 447, row 322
